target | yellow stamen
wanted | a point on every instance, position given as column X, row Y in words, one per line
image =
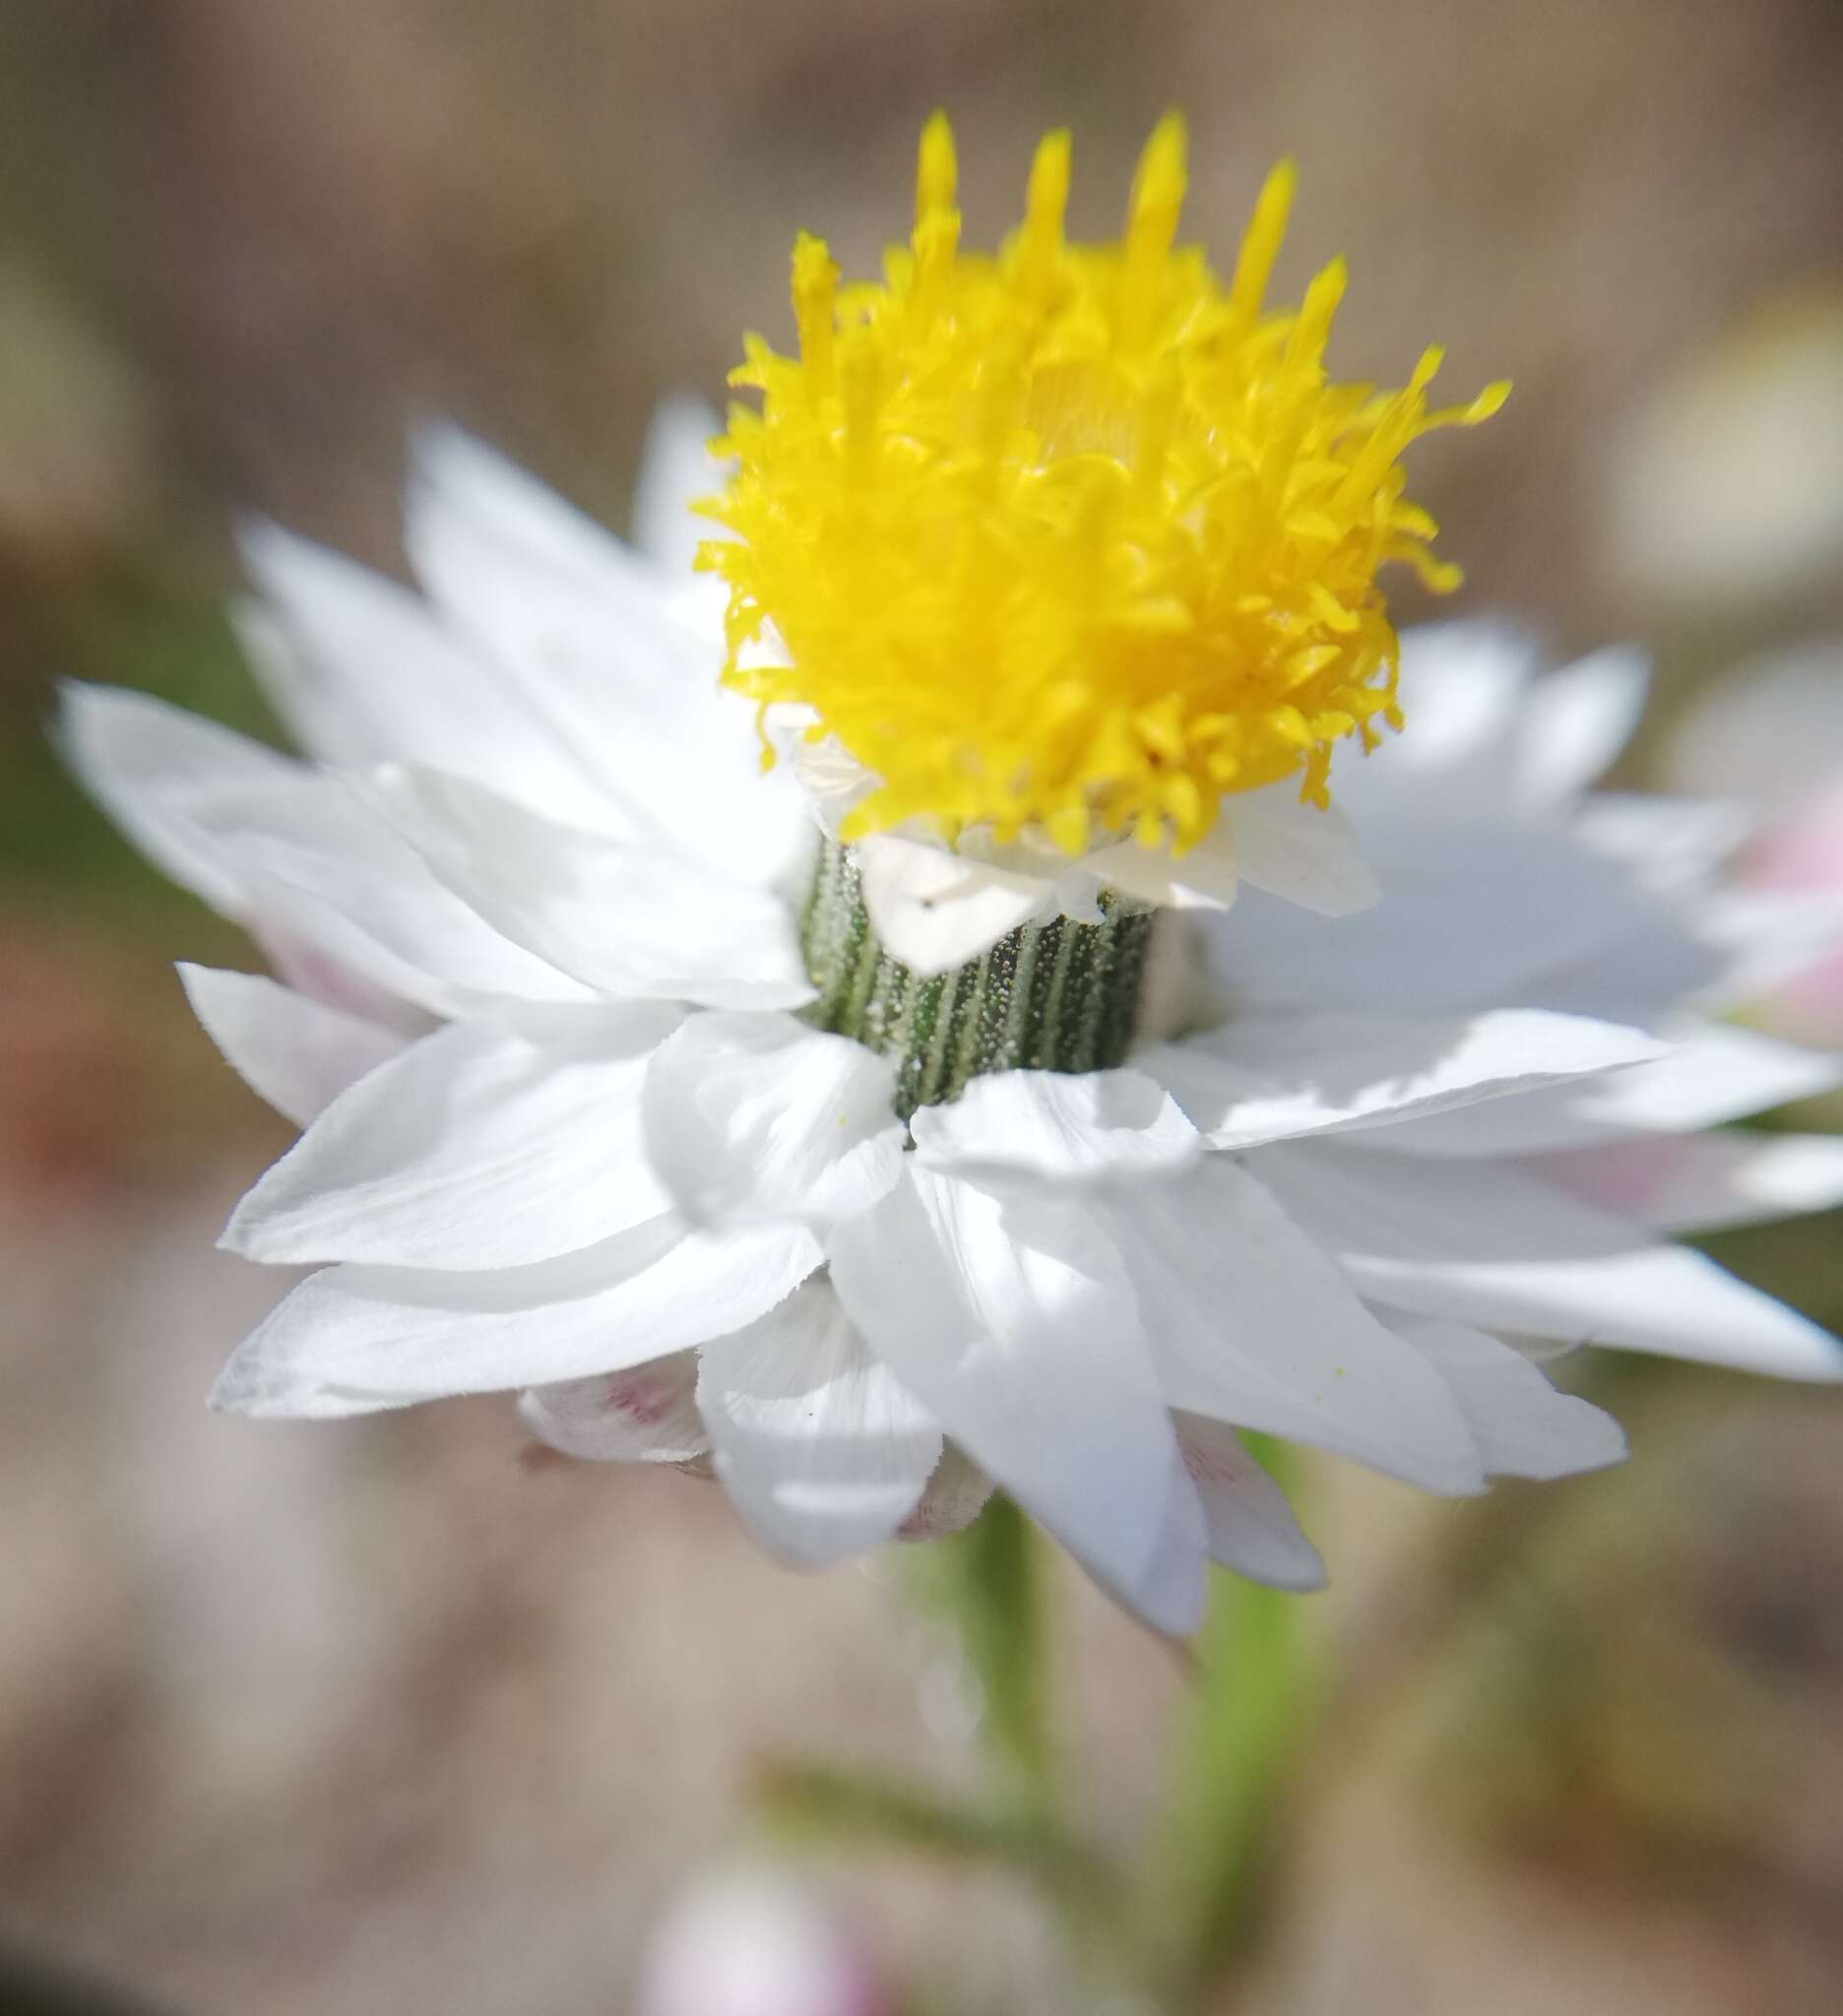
column 1151, row 228
column 815, row 297
column 1070, row 538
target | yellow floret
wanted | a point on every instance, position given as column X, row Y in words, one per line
column 1074, row 537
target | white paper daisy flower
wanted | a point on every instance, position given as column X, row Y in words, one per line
column 814, row 1124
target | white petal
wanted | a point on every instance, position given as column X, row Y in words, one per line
column 1068, row 1126
column 1476, row 912
column 1522, row 1426
column 935, row 910
column 1306, row 856
column 1462, row 686
column 321, row 865
column 351, row 1340
column 1703, row 1182
column 362, row 671
column 393, row 932
column 832, row 781
column 1013, row 1322
column 1259, row 1079
column 1712, row 1074
column 1489, row 1245
column 158, row 770
column 675, row 471
column 310, row 969
column 751, row 1118
column 1641, row 975
column 956, row 1494
column 822, row 1450
column 475, row 1149
column 1248, row 1322
column 646, row 1413
column 1251, row 1527
column 1574, row 721
column 633, row 922
column 1767, row 938
column 1205, row 878
column 298, row 1053
column 1173, row 1593
column 1677, row 844
column 583, row 628
column 290, row 853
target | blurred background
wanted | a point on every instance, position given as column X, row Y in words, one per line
column 314, row 1720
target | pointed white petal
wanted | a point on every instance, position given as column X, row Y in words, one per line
column 1768, row 938
column 1574, row 721
column 1205, row 878
column 352, row 1340
column 298, row 1053
column 1067, row 1126
column 1261, row 1080
column 1477, row 913
column 1484, row 1245
column 646, row 1413
column 1712, row 1073
column 1173, row 1594
column 1462, row 685
column 158, row 772
column 1522, row 1426
column 1013, row 1322
column 831, row 779
column 465, row 502
column 632, row 922
column 475, row 1149
column 385, row 931
column 323, row 865
column 822, row 1450
column 1306, row 856
column 1640, row 975
column 290, row 853
column 1703, row 1182
column 1676, row 845
column 582, row 627
column 934, row 910
column 1251, row 1527
column 750, row 1117
column 363, row 672
column 309, row 968
column 1247, row 1322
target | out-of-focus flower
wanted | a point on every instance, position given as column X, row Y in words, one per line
column 1771, row 734
column 618, row 1087
column 753, row 1943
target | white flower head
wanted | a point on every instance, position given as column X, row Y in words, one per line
column 620, row 1089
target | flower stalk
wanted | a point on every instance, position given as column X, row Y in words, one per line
column 1054, row 996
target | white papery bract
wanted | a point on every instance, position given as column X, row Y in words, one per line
column 531, row 904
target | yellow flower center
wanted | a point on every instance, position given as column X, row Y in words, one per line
column 1074, row 538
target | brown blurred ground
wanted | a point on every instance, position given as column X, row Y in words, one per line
column 373, row 1717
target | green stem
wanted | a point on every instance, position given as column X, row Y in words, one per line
column 1055, row 997
column 827, row 1805
column 1002, row 1615
column 1256, row 1693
